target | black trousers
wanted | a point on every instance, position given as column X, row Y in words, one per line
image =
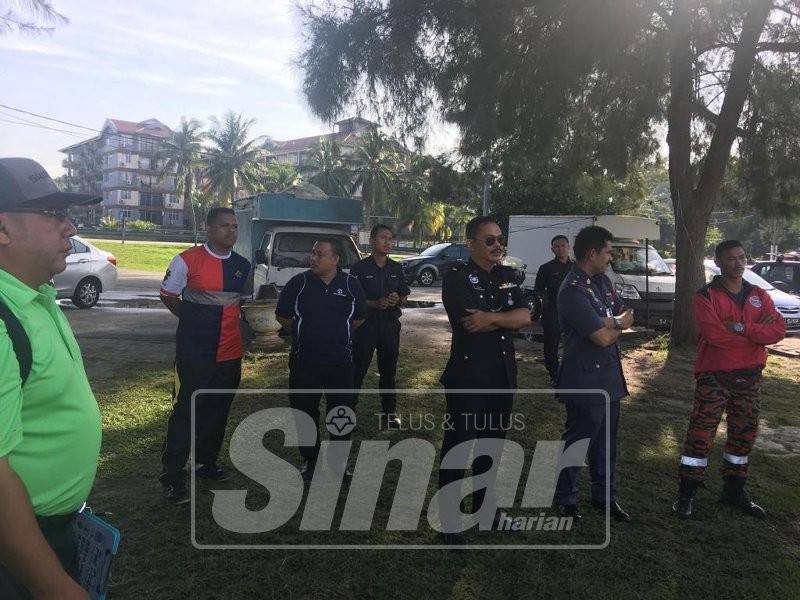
column 211, row 415
column 552, row 338
column 383, row 335
column 59, row 535
column 305, row 375
column 588, row 420
column 474, row 416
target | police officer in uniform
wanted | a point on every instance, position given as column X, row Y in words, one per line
column 386, row 291
column 548, row 281
column 485, row 306
column 592, row 316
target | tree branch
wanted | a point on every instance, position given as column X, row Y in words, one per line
column 701, row 110
column 716, row 159
column 762, row 47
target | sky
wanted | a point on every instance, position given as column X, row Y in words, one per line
column 158, row 59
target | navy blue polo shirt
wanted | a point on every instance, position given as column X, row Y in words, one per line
column 322, row 315
column 379, row 282
column 583, row 303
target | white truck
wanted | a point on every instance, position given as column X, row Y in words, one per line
column 277, row 231
column 640, row 275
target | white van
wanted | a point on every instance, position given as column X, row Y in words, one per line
column 649, row 290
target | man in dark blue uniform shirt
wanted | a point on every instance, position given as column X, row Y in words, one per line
column 592, row 317
column 485, row 306
column 386, row 290
column 548, row 281
column 323, row 306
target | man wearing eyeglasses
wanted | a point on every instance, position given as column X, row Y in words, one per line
column 485, row 306
column 49, row 419
column 323, row 306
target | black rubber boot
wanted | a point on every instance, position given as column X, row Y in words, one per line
column 684, row 505
column 734, row 494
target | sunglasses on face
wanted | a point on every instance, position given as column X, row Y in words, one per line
column 59, row 214
column 491, row 240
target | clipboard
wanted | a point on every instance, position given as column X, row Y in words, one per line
column 97, row 541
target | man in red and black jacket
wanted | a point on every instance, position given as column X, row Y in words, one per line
column 736, row 321
column 204, row 287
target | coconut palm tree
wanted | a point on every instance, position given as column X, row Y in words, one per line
column 235, row 161
column 182, row 156
column 375, row 165
column 328, row 168
column 279, row 176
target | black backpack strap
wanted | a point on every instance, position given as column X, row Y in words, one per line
column 19, row 340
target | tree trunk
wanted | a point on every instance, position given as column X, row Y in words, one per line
column 688, row 257
column 187, row 199
column 693, row 206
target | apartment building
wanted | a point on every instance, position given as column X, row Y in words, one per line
column 124, row 158
column 348, row 134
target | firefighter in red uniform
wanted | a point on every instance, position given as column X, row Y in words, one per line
column 735, row 320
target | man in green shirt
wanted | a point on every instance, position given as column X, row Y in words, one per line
column 49, row 425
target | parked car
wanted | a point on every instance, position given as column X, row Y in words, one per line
column 670, row 262
column 783, row 274
column 787, row 305
column 433, row 262
column 90, row 271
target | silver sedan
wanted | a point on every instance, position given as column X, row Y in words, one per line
column 89, row 272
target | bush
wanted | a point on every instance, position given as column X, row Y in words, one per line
column 109, row 222
column 141, row 225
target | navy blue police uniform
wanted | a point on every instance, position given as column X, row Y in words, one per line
column 549, row 278
column 381, row 331
column 483, row 360
column 322, row 351
column 583, row 303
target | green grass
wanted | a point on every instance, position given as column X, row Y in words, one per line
column 141, row 256
column 720, row 554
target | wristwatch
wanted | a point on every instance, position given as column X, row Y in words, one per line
column 738, row 327
column 618, row 323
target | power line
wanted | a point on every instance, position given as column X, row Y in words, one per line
column 50, row 118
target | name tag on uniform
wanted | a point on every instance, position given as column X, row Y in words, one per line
column 505, row 286
column 609, row 312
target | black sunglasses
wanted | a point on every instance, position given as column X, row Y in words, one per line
column 491, row 240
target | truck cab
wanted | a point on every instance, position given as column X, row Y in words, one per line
column 644, row 281
column 278, row 230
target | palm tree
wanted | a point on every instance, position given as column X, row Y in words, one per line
column 432, row 221
column 375, row 165
column 457, row 218
column 328, row 168
column 182, row 156
column 235, row 162
column 279, row 176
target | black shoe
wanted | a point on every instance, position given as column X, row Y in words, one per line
column 454, row 540
column 617, row 512
column 177, row 494
column 570, row 510
column 734, row 494
column 307, row 471
column 212, row 472
column 683, row 507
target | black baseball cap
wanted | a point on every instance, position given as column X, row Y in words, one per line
column 24, row 184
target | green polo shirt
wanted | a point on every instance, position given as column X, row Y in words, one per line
column 50, row 430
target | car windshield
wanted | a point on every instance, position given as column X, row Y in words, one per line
column 749, row 277
column 434, row 250
column 630, row 260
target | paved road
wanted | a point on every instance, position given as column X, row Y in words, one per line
column 139, row 289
